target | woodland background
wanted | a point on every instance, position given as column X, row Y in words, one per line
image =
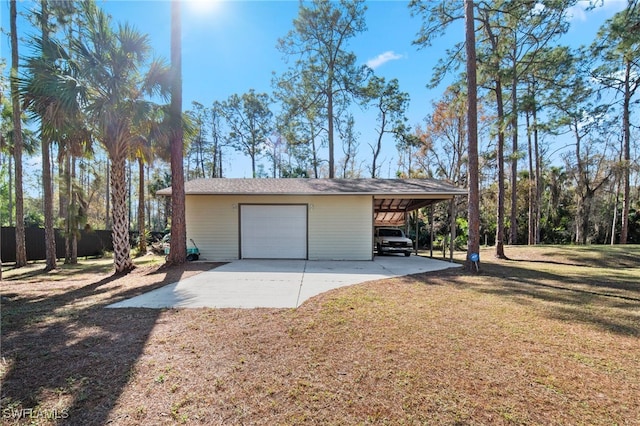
column 533, row 92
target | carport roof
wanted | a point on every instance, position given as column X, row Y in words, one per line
column 392, row 197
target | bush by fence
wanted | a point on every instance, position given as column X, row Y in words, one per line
column 90, row 243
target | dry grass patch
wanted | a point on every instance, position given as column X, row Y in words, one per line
column 64, row 357
column 547, row 339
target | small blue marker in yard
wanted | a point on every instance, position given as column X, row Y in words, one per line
column 475, row 257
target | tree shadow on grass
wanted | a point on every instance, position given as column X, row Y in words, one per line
column 66, row 355
column 615, row 257
column 608, row 300
column 609, row 303
column 34, row 270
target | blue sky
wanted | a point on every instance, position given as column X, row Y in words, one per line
column 230, row 47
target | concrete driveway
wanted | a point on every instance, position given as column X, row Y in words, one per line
column 276, row 283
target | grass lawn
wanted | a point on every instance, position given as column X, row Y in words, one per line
column 551, row 336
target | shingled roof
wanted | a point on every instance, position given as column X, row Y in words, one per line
column 301, row 186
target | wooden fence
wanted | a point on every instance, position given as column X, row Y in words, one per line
column 90, row 243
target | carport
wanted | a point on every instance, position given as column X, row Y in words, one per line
column 394, row 212
column 308, row 219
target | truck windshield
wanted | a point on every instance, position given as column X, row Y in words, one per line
column 390, row 233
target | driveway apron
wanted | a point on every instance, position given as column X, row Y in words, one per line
column 276, row 283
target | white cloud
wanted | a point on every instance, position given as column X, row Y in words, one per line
column 383, row 58
column 537, row 9
column 578, row 12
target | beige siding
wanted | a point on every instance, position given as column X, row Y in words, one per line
column 340, row 227
column 212, row 223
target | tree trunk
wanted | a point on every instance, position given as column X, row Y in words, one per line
column 214, row 160
column 473, row 244
column 532, row 200
column 107, row 219
column 68, row 208
column 584, row 190
column 10, row 189
column 500, row 160
column 252, row 155
column 314, row 152
column 75, row 213
column 513, row 228
column 578, row 224
column 409, row 158
column 626, row 131
column 21, row 246
column 148, row 203
column 129, row 192
column 220, row 174
column 63, row 203
column 275, row 163
column 0, row 252
column 615, row 211
column 538, row 165
column 120, row 218
column 142, row 240
column 376, row 151
column 330, row 124
column 453, row 225
column 167, row 213
column 201, row 152
column 178, row 252
column 500, row 146
column 584, row 220
column 47, row 188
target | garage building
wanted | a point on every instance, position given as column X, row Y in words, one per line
column 314, row 219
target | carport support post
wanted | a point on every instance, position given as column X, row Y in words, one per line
column 406, row 223
column 417, row 236
column 453, row 228
column 431, row 231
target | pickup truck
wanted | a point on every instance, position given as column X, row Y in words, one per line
column 392, row 240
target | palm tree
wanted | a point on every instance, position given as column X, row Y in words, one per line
column 50, row 95
column 152, row 133
column 155, row 130
column 108, row 63
column 76, row 143
column 141, row 152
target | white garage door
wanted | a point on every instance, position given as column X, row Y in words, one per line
column 273, row 231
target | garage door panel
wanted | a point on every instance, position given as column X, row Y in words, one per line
column 273, row 231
